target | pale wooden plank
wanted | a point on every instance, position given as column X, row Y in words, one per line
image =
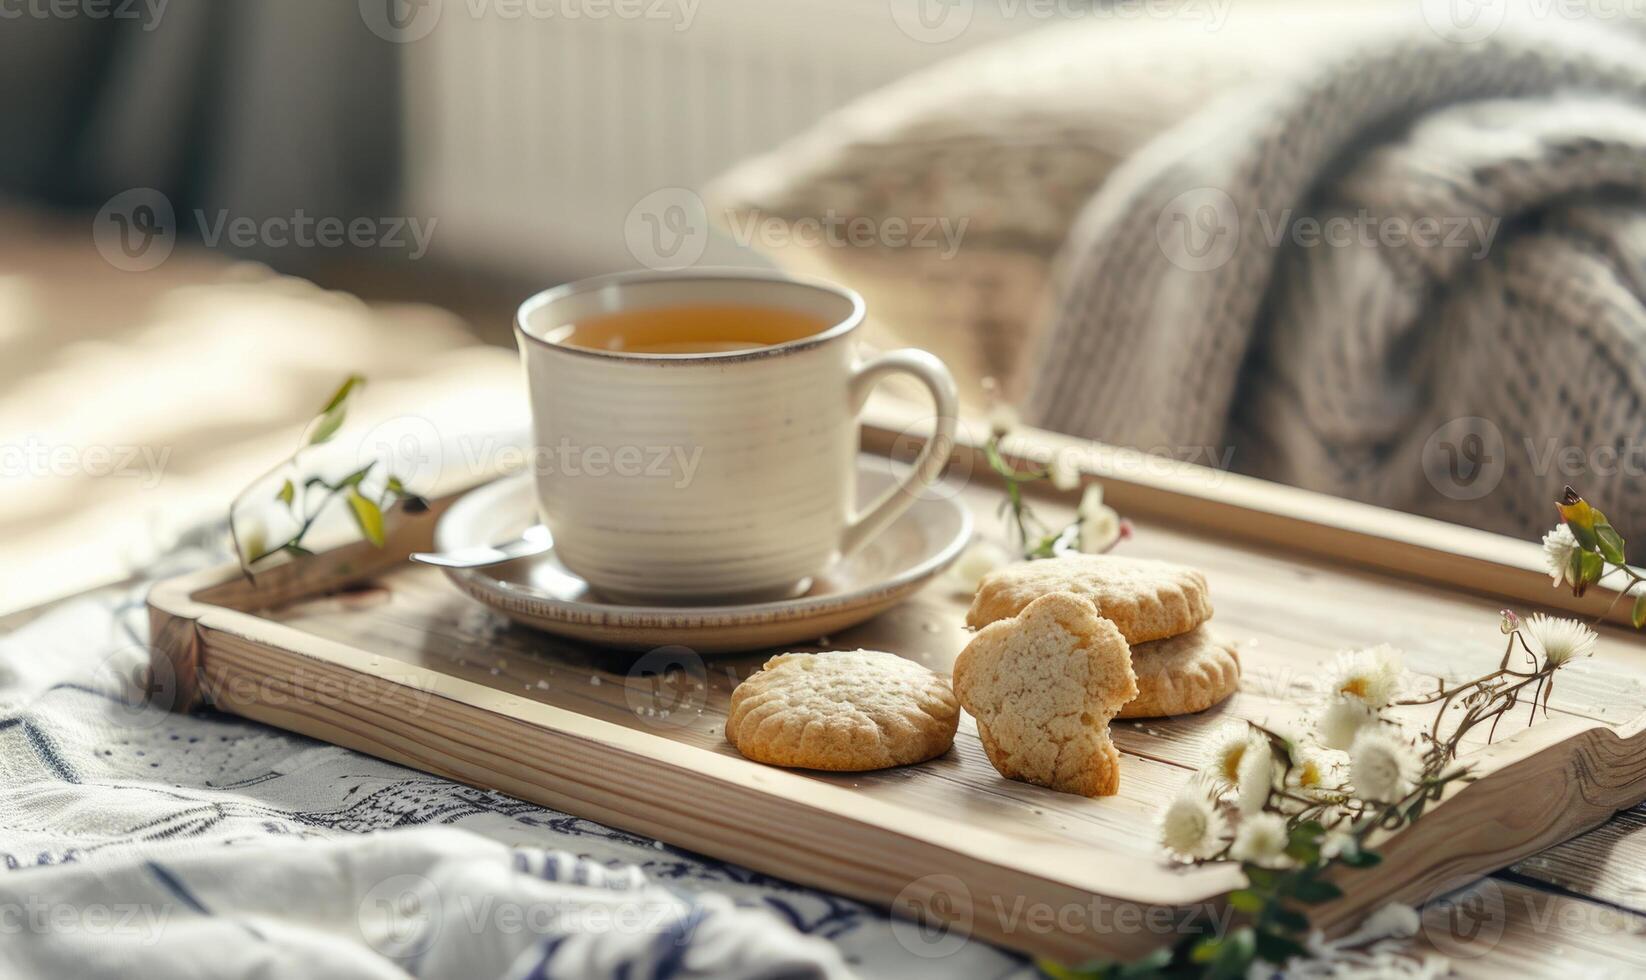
column 1497, row 928
column 1607, row 863
column 416, row 618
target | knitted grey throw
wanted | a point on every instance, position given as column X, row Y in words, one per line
column 1414, row 275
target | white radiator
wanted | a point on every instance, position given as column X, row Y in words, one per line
column 532, row 135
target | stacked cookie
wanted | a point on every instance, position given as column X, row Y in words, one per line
column 1160, row 608
column 1066, row 645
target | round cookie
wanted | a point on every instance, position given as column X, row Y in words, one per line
column 1182, row 674
column 842, row 710
column 1146, row 600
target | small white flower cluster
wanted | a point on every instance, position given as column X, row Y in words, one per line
column 1559, row 545
column 1246, row 785
column 1099, row 530
column 1356, row 759
column 1558, row 641
column 1099, row 523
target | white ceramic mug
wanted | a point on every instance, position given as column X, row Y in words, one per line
column 710, row 478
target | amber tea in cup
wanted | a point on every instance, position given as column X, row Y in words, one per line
column 703, row 329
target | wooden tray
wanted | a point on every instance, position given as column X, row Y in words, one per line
column 359, row 648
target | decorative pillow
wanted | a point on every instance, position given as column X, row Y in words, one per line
column 963, row 180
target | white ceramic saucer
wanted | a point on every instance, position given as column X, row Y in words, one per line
column 541, row 592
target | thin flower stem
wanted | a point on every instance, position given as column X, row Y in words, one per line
column 1634, row 579
column 1034, row 538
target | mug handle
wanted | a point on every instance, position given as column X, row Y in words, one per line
column 933, row 456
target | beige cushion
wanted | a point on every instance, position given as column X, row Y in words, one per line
column 1006, row 144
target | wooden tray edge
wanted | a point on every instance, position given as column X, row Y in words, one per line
column 1245, row 508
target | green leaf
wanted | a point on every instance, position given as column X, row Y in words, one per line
column 1057, row 971
column 1586, row 538
column 297, row 551
column 350, row 383
column 1355, row 857
column 1205, row 950
column 1235, row 955
column 1289, row 919
column 1148, row 965
column 1312, row 891
column 1580, row 517
column 1304, row 844
column 1610, row 543
column 395, row 487
column 1277, row 949
column 1593, row 567
column 327, row 425
column 1247, row 901
column 1637, row 615
column 1308, row 830
column 331, row 417
column 1304, row 851
column 1260, row 877
column 287, row 493
column 367, row 515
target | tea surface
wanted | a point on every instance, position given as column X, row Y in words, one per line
column 690, row 329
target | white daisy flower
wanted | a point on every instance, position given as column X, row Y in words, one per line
column 1099, row 525
column 1341, row 721
column 1229, row 746
column 1098, row 535
column 979, row 559
column 1372, row 675
column 1393, row 920
column 1192, row 828
column 1383, row 768
column 1558, row 547
column 1261, row 839
column 1254, row 777
column 1063, row 471
column 1335, row 843
column 1558, row 640
column 1311, row 769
